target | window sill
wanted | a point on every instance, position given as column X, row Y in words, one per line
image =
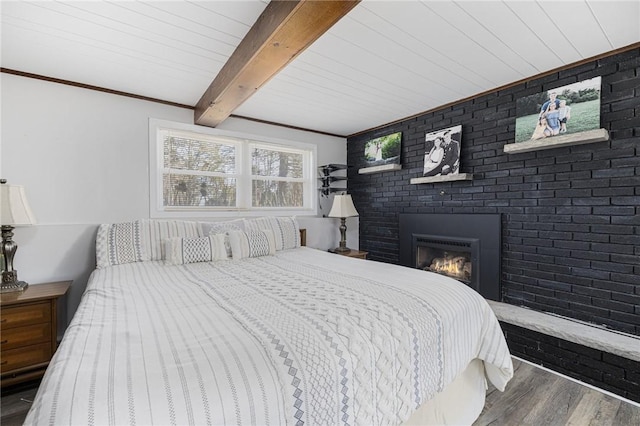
column 218, row 214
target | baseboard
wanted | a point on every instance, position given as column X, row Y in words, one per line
column 606, row 392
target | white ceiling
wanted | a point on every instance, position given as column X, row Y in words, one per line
column 384, row 61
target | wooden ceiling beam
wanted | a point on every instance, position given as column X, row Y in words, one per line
column 282, row 32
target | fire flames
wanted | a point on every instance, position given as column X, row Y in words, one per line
column 453, row 266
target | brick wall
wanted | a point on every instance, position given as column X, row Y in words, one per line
column 601, row 369
column 571, row 216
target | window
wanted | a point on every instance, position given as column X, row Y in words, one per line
column 277, row 176
column 200, row 171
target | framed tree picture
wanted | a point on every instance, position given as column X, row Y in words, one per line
column 382, row 153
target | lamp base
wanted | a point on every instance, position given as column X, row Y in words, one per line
column 14, row 286
column 340, row 250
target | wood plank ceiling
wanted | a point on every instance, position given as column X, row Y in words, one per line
column 384, row 61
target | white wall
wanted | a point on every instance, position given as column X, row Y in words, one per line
column 82, row 156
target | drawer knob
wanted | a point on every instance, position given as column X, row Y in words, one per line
column 3, row 362
column 3, row 320
column 3, row 342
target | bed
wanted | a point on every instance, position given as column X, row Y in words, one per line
column 277, row 334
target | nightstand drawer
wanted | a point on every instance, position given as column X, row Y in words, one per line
column 28, row 335
column 17, row 316
column 25, row 356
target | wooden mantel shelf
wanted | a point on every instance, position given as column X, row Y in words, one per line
column 590, row 136
column 383, row 168
column 446, row 178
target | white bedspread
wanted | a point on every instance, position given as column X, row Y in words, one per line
column 302, row 337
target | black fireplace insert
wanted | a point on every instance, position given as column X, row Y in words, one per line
column 465, row 247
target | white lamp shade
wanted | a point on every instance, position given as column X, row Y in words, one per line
column 14, row 207
column 343, row 206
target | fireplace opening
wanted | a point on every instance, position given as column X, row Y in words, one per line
column 465, row 247
column 454, row 257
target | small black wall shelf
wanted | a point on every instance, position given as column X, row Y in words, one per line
column 327, row 178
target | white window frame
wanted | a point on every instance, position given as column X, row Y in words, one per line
column 244, row 143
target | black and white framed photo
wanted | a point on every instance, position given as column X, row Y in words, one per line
column 442, row 152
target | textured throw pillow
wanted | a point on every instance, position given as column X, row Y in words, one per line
column 183, row 250
column 285, row 230
column 222, row 227
column 118, row 243
column 252, row 243
column 155, row 232
column 213, row 228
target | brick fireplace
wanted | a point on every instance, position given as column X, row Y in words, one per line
column 570, row 217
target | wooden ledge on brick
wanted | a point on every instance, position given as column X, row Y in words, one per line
column 447, row 178
column 617, row 343
column 590, row 136
column 383, row 168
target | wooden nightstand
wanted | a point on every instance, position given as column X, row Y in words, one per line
column 353, row 253
column 29, row 331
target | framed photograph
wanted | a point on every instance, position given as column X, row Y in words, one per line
column 442, row 152
column 565, row 110
column 383, row 153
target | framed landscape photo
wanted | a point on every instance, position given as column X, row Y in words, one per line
column 442, row 152
column 383, row 153
column 566, row 115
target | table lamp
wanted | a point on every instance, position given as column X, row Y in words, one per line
column 14, row 211
column 343, row 208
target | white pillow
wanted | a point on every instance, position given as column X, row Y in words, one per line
column 221, row 227
column 252, row 243
column 183, row 250
column 285, row 230
column 213, row 228
column 155, row 232
column 118, row 243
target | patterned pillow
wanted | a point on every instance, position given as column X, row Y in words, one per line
column 213, row 228
column 285, row 230
column 183, row 250
column 222, row 227
column 118, row 243
column 155, row 232
column 252, row 243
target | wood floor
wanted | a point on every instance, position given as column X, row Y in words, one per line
column 15, row 405
column 537, row 397
column 533, row 397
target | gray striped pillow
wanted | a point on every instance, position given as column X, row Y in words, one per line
column 155, row 232
column 118, row 243
column 252, row 243
column 286, row 230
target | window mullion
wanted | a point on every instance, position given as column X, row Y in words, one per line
column 244, row 186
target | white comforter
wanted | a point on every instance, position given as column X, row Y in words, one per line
column 300, row 337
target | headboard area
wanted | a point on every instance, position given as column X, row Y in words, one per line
column 303, row 237
column 148, row 239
